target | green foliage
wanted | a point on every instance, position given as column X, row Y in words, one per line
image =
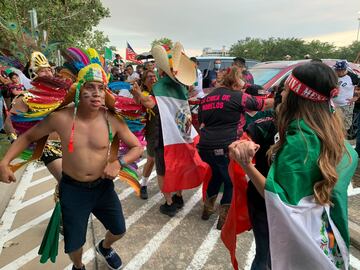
column 162, row 41
column 278, row 48
column 96, row 40
column 69, row 22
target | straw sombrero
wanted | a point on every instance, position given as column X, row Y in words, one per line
column 175, row 63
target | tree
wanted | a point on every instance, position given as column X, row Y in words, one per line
column 162, row 41
column 350, row 52
column 277, row 48
column 69, row 22
column 96, row 40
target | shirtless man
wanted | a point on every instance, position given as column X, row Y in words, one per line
column 86, row 185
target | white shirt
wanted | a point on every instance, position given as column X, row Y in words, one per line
column 346, row 91
column 199, row 84
column 134, row 76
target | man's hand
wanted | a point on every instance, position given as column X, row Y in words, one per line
column 111, row 170
column 6, row 175
column 135, row 91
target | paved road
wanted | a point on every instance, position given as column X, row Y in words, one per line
column 153, row 241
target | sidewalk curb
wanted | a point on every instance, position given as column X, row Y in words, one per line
column 354, row 230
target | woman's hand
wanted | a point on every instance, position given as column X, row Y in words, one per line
column 243, row 151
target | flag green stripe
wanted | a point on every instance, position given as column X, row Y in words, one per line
column 166, row 87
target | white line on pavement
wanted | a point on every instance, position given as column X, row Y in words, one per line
column 250, row 256
column 144, row 255
column 39, row 168
column 87, row 257
column 9, row 215
column 41, row 180
column 203, row 252
column 21, row 261
column 14, row 233
column 354, row 262
column 35, row 199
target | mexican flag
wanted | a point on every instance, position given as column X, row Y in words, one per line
column 303, row 233
column 184, row 168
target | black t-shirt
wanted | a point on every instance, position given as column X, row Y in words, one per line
column 262, row 132
column 222, row 113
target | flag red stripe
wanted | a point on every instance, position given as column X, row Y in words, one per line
column 184, row 168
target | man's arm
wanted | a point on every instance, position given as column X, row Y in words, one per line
column 146, row 101
column 124, row 134
column 35, row 133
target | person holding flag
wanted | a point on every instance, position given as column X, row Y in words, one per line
column 178, row 164
column 312, row 165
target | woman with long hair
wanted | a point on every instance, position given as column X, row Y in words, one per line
column 312, row 165
column 221, row 118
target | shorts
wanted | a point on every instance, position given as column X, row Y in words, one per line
column 347, row 112
column 52, row 151
column 79, row 199
column 160, row 161
column 150, row 148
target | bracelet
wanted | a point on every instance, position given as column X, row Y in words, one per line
column 122, row 162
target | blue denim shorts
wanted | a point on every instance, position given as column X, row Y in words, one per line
column 79, row 199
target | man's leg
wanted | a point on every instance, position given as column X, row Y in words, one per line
column 76, row 204
column 167, row 195
column 108, row 210
column 76, row 258
column 110, row 239
column 148, row 167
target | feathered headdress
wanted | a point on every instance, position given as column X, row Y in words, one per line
column 87, row 67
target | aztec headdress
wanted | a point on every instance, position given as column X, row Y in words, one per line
column 37, row 61
column 175, row 63
column 87, row 67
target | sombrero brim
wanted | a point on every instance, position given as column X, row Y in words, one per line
column 184, row 68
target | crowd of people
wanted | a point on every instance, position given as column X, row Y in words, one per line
column 290, row 142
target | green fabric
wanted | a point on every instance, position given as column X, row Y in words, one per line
column 258, row 115
column 339, row 210
column 295, row 171
column 167, row 87
column 108, row 54
column 50, row 242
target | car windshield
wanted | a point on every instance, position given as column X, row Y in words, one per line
column 263, row 75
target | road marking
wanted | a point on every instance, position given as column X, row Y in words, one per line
column 24, row 259
column 8, row 217
column 354, row 262
column 87, row 257
column 14, row 233
column 35, row 199
column 352, row 191
column 250, row 256
column 203, row 252
column 39, row 168
column 41, row 180
column 144, row 255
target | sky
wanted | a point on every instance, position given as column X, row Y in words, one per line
column 208, row 23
